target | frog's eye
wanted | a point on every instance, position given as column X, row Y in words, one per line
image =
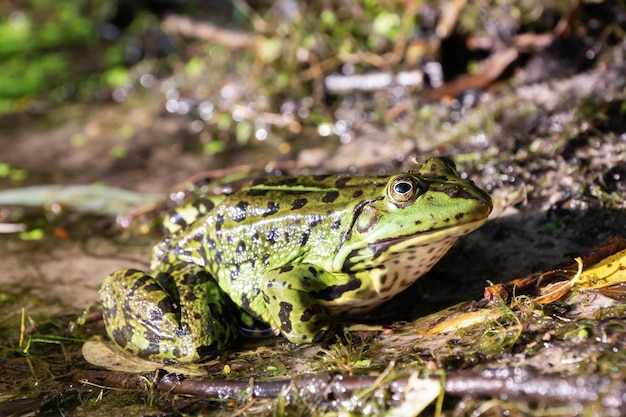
column 403, row 190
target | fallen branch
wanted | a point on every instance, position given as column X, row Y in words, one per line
column 511, row 383
column 208, row 32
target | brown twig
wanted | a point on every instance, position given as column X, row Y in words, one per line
column 512, row 383
column 208, row 32
column 532, row 284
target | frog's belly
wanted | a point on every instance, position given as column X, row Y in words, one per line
column 399, row 272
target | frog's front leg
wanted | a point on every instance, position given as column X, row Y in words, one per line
column 294, row 296
column 181, row 315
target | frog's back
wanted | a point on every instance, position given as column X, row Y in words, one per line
column 277, row 220
column 271, row 223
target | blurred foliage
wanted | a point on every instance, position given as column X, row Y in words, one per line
column 343, row 31
column 33, row 49
column 272, row 89
column 56, row 50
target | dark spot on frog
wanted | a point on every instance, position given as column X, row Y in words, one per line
column 272, row 207
column 183, row 330
column 266, row 260
column 341, row 182
column 218, row 256
column 255, row 236
column 313, row 272
column 334, row 292
column 357, row 194
column 119, row 337
column 335, row 225
column 272, row 235
column 219, row 221
column 286, row 268
column 234, row 272
column 190, row 297
column 383, row 279
column 175, row 352
column 320, row 177
column 314, row 220
column 245, row 302
column 330, row 196
column 283, row 315
column 240, row 211
column 303, row 239
column 241, row 247
column 210, row 243
column 309, row 313
column 459, row 216
column 298, row 203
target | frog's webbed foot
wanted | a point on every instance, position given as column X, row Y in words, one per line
column 180, row 316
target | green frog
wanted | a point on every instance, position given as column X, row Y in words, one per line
column 287, row 255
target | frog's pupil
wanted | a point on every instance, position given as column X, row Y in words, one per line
column 402, row 187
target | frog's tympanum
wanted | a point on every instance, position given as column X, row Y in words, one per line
column 287, row 256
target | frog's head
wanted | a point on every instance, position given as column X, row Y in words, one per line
column 414, row 210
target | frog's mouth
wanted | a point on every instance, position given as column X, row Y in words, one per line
column 366, row 256
column 397, row 244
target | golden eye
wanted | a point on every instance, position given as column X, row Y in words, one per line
column 403, row 190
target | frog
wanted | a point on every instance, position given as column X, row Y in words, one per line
column 291, row 256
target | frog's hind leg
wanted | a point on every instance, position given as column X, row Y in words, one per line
column 177, row 316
